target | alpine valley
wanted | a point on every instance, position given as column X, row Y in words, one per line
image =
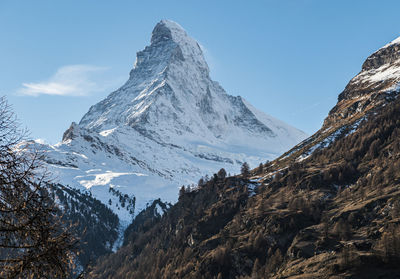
column 167, row 126
column 327, row 208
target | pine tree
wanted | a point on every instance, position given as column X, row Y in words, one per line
column 245, row 170
column 260, row 168
column 182, row 191
column 221, row 174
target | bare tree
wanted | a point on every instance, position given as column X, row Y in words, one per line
column 33, row 241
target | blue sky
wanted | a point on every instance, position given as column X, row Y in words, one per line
column 290, row 59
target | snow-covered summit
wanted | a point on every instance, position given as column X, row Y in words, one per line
column 173, row 58
column 166, row 31
column 394, row 42
column 168, row 125
column 170, row 95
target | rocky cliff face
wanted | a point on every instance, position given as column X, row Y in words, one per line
column 168, row 125
column 373, row 86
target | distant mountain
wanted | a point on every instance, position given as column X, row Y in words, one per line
column 168, row 125
column 327, row 208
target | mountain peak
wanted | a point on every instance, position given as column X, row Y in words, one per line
column 169, row 124
column 170, row 96
column 169, row 37
column 377, row 83
column 385, row 56
column 394, row 42
column 167, row 30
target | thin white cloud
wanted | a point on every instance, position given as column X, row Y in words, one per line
column 212, row 62
column 71, row 80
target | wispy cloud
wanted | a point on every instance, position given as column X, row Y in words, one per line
column 211, row 60
column 71, row 80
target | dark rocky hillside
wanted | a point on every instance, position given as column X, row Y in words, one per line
column 328, row 208
column 335, row 213
column 94, row 224
column 146, row 219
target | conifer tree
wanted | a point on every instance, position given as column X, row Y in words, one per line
column 245, row 170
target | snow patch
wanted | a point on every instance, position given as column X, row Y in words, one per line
column 159, row 210
column 102, row 178
column 106, row 133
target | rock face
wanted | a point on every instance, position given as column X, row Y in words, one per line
column 377, row 81
column 168, row 125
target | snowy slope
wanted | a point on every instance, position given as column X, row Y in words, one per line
column 168, row 125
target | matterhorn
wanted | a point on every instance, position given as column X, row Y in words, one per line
column 167, row 126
